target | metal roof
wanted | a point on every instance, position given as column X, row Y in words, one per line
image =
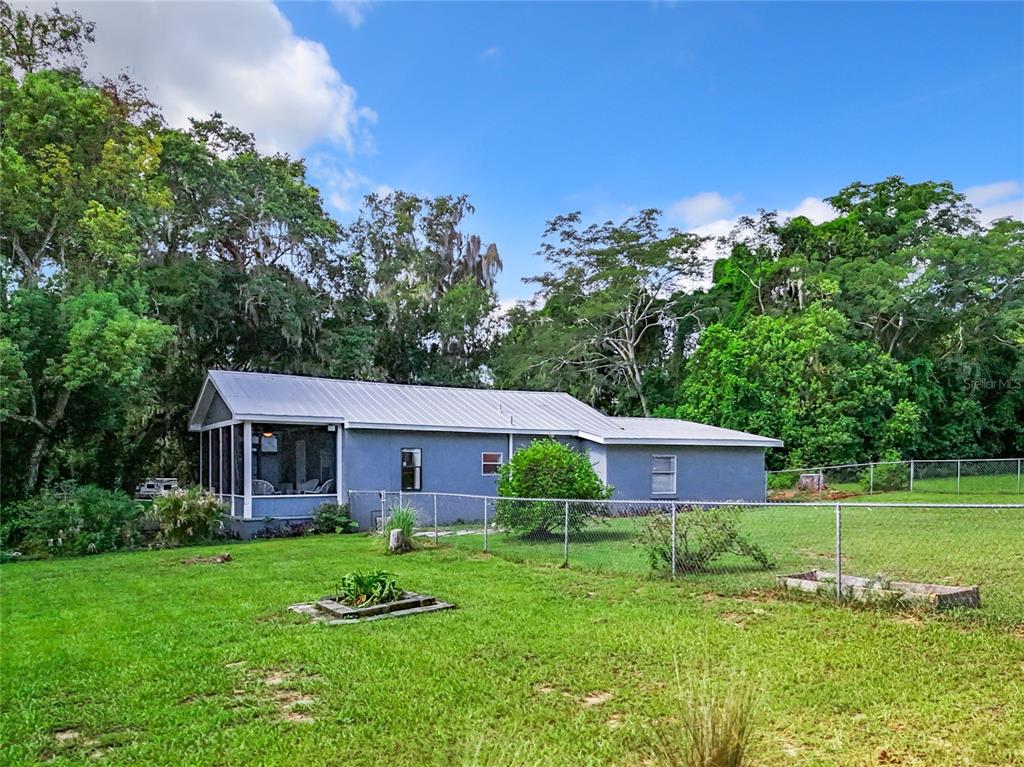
column 286, row 398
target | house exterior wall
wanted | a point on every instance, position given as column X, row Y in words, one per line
column 703, row 473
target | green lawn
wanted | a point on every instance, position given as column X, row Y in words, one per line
column 139, row 659
column 983, row 547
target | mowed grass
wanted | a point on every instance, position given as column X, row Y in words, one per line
column 140, row 659
column 952, row 546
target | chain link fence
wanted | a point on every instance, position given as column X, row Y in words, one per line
column 844, row 550
column 980, row 476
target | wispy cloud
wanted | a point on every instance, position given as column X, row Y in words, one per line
column 490, row 52
column 353, row 11
column 1000, row 199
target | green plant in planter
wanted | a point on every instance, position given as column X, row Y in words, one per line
column 334, row 518
column 188, row 514
column 702, row 536
column 358, row 589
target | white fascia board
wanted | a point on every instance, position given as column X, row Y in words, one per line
column 692, row 442
column 212, row 426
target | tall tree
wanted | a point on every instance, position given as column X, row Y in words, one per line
column 608, row 305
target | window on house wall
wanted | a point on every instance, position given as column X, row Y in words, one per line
column 412, row 468
column 490, row 463
column 663, row 475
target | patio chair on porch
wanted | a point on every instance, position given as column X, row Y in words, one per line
column 262, row 487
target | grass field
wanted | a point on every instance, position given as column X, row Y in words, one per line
column 983, row 547
column 139, row 659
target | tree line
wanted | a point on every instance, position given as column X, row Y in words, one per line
column 135, row 256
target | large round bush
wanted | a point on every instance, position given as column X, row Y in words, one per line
column 547, row 469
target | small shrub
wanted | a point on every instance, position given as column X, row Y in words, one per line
column 702, row 536
column 188, row 514
column 401, row 518
column 888, row 476
column 717, row 726
column 334, row 518
column 547, row 469
column 70, row 519
column 286, row 530
column 359, row 589
column 784, row 481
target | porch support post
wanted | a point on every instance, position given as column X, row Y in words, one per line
column 247, row 470
column 338, row 441
column 199, row 479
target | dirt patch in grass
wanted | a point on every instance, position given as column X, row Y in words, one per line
column 597, row 698
column 73, row 744
column 281, row 687
column 828, row 494
column 216, row 559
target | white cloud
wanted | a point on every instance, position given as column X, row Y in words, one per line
column 241, row 59
column 490, row 53
column 353, row 11
column 702, row 208
column 999, row 199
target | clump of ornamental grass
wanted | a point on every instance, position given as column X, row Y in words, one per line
column 403, row 519
column 714, row 728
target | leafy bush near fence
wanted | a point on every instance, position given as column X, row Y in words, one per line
column 69, row 519
column 888, row 476
column 546, row 469
column 784, row 481
column 702, row 536
column 188, row 514
column 334, row 518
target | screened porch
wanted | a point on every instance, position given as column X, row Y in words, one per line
column 270, row 470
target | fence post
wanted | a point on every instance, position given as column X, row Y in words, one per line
column 958, row 476
column 485, row 524
column 673, row 540
column 871, row 480
column 1018, row 475
column 382, row 494
column 565, row 562
column 839, row 552
column 911, row 475
column 435, row 519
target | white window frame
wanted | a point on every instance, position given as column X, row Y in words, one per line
column 674, row 473
column 483, row 463
column 418, row 475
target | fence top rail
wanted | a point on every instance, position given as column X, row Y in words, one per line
column 810, row 469
column 670, row 503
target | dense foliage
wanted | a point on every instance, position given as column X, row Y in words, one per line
column 546, row 468
column 188, row 514
column 136, row 256
column 70, row 519
column 897, row 327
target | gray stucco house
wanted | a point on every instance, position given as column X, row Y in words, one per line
column 278, row 446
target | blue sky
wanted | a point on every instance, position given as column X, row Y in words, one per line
column 706, row 110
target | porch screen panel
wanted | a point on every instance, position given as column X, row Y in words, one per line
column 239, row 458
column 225, row 459
column 215, row 451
